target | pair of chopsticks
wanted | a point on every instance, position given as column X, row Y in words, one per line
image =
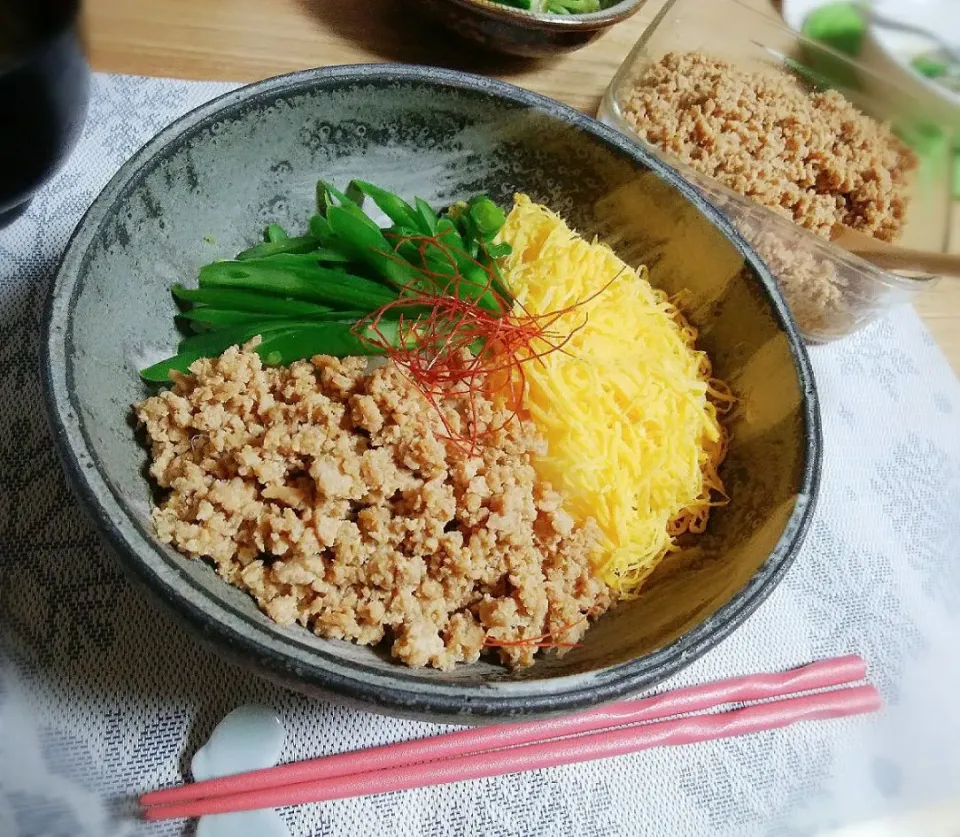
column 615, row 730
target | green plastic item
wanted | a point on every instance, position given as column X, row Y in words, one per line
column 929, row 67
column 838, row 25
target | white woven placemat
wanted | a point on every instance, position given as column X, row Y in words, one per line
column 102, row 696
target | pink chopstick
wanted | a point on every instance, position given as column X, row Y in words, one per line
column 612, row 742
column 818, row 675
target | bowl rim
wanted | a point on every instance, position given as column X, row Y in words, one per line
column 616, row 13
column 249, row 641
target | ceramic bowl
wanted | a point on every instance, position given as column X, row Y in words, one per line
column 202, row 189
column 518, row 32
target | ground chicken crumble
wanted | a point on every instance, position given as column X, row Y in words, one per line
column 811, row 156
column 808, row 155
column 329, row 493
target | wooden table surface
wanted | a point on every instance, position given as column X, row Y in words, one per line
column 245, row 40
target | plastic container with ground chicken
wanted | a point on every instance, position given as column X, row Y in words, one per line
column 789, row 138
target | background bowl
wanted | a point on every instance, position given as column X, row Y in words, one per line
column 514, row 31
column 218, row 173
column 759, row 42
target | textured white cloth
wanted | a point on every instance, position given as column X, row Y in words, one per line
column 102, row 696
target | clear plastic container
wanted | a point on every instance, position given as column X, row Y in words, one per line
column 752, row 40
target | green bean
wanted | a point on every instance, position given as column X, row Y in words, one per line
column 319, row 227
column 323, row 198
column 445, row 259
column 488, row 218
column 336, row 316
column 395, row 208
column 488, row 255
column 466, row 258
column 456, row 240
column 354, row 194
column 310, row 283
column 275, row 233
column 322, row 258
column 160, row 372
column 336, row 339
column 331, row 191
column 481, row 221
column 928, row 66
column 498, row 285
column 282, row 343
column 298, row 245
column 479, row 287
column 369, row 246
column 330, row 243
column 467, row 233
column 248, row 301
column 448, row 233
column 470, row 280
column 430, row 259
column 498, row 251
column 217, row 318
column 212, row 343
column 327, row 193
column 398, row 233
column 308, row 294
column 209, row 344
column 428, row 217
column 458, row 230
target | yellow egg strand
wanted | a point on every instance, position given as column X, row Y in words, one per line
column 628, row 408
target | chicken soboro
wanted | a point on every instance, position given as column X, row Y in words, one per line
column 331, row 494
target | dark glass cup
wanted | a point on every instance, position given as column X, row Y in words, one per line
column 44, row 93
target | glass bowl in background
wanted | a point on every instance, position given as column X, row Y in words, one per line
column 755, row 41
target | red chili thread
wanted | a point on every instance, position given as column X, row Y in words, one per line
column 459, row 347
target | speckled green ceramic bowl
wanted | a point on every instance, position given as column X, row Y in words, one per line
column 504, row 28
column 220, row 172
